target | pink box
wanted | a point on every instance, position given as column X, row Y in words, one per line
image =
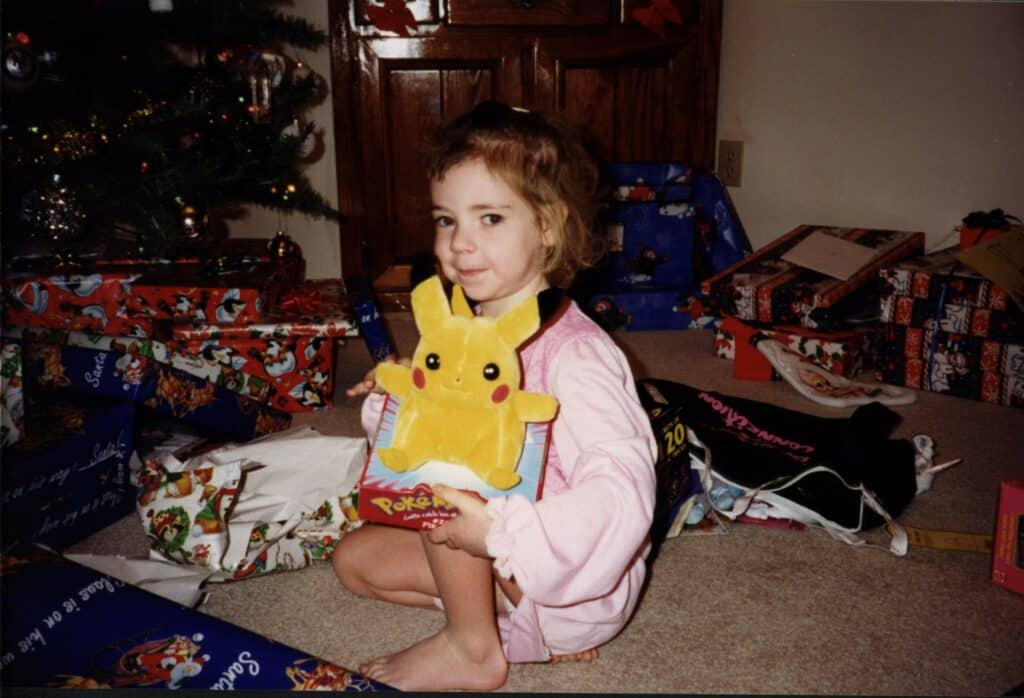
column 1008, row 548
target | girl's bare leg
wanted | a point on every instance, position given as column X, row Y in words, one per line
column 386, row 563
column 467, row 653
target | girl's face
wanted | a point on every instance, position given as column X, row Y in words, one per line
column 487, row 238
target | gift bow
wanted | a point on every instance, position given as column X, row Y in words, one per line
column 995, row 219
column 300, row 301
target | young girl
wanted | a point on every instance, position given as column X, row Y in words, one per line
column 513, row 203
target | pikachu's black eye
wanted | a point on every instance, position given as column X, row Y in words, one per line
column 491, row 371
column 433, row 362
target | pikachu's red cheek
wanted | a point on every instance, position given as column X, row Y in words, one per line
column 499, row 394
column 418, row 378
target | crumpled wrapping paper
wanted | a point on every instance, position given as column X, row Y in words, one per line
column 271, row 504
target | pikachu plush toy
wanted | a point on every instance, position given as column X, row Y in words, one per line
column 460, row 399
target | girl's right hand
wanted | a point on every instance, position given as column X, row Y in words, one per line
column 369, row 382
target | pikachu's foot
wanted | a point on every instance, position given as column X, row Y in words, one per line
column 394, row 459
column 502, row 479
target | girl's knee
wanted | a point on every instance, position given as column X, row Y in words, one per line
column 346, row 563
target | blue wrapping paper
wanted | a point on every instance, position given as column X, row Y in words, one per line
column 67, row 625
column 166, row 389
column 69, row 477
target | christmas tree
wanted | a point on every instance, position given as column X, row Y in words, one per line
column 146, row 119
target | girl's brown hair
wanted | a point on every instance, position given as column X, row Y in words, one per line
column 543, row 158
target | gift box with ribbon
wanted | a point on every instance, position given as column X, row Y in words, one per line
column 978, row 226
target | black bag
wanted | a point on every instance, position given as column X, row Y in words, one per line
column 844, row 474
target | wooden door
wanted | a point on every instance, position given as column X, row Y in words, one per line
column 640, row 96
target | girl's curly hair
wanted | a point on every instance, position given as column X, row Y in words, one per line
column 544, row 159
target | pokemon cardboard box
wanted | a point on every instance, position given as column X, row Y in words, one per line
column 457, row 415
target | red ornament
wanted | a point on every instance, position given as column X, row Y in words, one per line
column 655, row 16
column 393, row 16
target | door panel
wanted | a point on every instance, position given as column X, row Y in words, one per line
column 640, row 97
column 408, row 88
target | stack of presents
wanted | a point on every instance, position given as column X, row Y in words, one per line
column 679, row 258
column 923, row 321
column 106, row 361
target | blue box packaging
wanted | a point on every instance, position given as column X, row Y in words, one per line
column 69, row 477
column 68, row 626
column 652, row 244
column 90, row 371
column 645, row 309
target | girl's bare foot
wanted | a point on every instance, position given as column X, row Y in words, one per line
column 440, row 663
column 584, row 656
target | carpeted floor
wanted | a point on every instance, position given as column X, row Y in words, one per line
column 753, row 610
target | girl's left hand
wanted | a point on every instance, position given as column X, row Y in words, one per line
column 466, row 531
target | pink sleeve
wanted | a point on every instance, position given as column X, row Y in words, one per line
column 370, row 413
column 576, row 545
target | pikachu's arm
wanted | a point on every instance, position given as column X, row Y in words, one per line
column 394, row 378
column 534, row 407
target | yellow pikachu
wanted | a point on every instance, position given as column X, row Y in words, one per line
column 460, row 399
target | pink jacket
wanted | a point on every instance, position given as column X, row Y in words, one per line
column 578, row 554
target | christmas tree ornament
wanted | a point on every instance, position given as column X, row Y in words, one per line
column 301, row 71
column 297, row 130
column 266, row 72
column 53, row 211
column 21, row 66
column 282, row 246
column 193, row 222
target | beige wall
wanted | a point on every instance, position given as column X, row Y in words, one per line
column 905, row 115
column 318, row 238
column 888, row 114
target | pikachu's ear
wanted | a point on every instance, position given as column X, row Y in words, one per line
column 459, row 304
column 430, row 305
column 518, row 324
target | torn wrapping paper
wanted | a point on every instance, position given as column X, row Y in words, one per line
column 12, row 405
column 177, row 583
column 273, row 504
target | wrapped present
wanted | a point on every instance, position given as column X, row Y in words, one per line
column 938, row 374
column 766, row 288
column 89, row 302
column 166, row 389
column 140, row 298
column 224, row 291
column 220, row 373
column 69, row 476
column 648, row 309
column 959, row 350
column 650, row 181
column 1001, row 325
column 844, row 353
column 12, row 406
column 651, row 244
column 292, row 349
column 66, row 625
column 979, row 226
column 941, row 275
column 721, row 240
